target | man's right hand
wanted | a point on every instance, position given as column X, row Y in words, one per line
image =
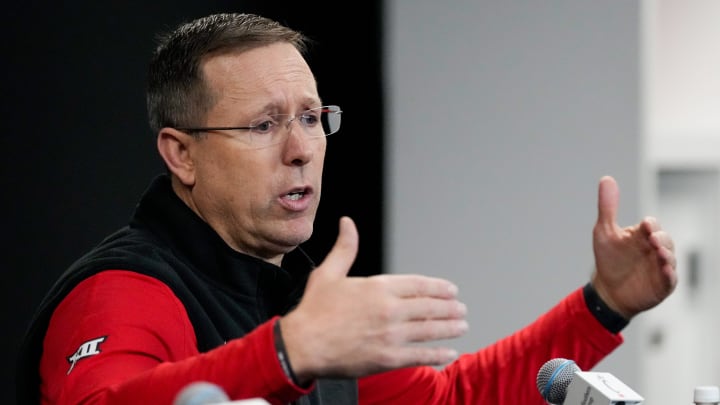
column 355, row 326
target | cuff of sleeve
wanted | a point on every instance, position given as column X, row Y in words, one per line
column 256, row 352
column 282, row 355
column 610, row 319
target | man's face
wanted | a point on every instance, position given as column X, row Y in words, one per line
column 261, row 201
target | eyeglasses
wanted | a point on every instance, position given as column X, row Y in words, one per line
column 267, row 130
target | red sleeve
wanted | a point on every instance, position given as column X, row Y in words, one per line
column 504, row 372
column 123, row 338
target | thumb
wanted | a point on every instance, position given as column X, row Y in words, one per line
column 343, row 254
column 608, row 200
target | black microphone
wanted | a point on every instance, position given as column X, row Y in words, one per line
column 561, row 382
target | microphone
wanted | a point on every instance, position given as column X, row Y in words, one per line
column 205, row 393
column 561, row 382
column 201, row 393
column 706, row 395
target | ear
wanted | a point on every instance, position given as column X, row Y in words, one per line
column 174, row 147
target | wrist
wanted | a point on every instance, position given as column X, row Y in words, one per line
column 283, row 354
column 609, row 318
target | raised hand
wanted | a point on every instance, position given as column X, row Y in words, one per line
column 354, row 326
column 635, row 265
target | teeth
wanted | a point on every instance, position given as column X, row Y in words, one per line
column 294, row 196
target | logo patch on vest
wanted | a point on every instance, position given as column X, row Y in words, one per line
column 87, row 349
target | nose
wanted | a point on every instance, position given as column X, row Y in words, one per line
column 298, row 149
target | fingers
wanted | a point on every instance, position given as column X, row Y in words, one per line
column 418, row 356
column 374, row 322
column 608, row 200
column 661, row 241
column 668, row 258
column 340, row 259
column 411, row 285
column 431, row 330
column 431, row 356
column 650, row 224
column 432, row 308
column 399, row 350
column 658, row 237
column 664, row 248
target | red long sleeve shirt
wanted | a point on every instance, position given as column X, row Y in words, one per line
column 120, row 337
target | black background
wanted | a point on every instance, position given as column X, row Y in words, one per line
column 77, row 151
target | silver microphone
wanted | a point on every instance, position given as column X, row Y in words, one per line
column 561, row 382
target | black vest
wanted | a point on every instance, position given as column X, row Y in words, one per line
column 226, row 294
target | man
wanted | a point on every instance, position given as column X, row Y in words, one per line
column 194, row 289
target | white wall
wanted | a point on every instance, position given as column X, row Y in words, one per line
column 502, row 117
column 681, row 146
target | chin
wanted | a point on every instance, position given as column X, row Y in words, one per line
column 299, row 230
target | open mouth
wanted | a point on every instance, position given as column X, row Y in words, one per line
column 295, row 195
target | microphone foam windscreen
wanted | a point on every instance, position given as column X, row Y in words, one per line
column 554, row 378
column 200, row 393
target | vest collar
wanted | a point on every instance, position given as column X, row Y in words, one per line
column 167, row 216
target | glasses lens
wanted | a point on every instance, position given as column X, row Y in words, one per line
column 330, row 119
column 271, row 129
